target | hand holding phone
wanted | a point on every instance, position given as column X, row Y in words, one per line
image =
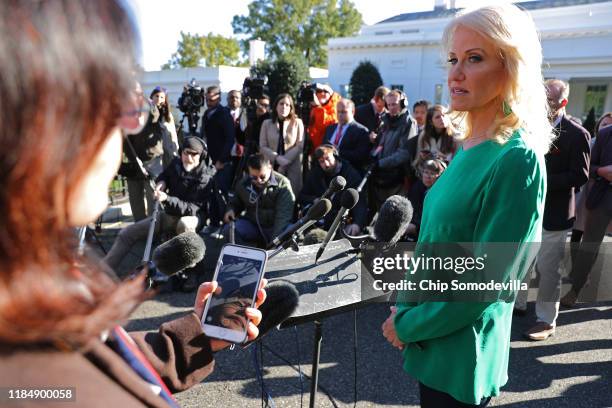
column 227, row 312
column 254, row 316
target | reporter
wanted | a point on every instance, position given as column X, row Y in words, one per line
column 159, row 97
column 59, row 310
column 281, row 141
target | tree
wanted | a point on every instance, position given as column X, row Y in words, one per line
column 302, row 26
column 364, row 81
column 214, row 49
column 285, row 74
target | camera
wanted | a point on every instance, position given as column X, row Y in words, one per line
column 306, row 93
column 190, row 102
column 254, row 88
column 192, row 98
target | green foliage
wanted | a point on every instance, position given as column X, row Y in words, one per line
column 364, row 81
column 298, row 26
column 284, row 74
column 214, row 49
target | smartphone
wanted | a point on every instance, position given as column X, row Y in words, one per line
column 238, row 273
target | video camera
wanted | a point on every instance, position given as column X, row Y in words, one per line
column 306, row 93
column 190, row 102
column 192, row 97
column 252, row 90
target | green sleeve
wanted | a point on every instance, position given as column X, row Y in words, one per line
column 510, row 212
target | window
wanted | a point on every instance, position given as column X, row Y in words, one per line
column 345, row 91
column 595, row 98
column 398, row 87
column 438, row 94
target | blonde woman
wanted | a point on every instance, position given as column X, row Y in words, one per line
column 492, row 191
column 281, row 140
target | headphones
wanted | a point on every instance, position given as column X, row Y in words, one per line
column 403, row 100
column 318, row 153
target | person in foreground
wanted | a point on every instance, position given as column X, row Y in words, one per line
column 458, row 351
column 60, row 311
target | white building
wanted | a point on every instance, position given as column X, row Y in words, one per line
column 576, row 39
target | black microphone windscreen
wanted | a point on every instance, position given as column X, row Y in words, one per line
column 338, row 183
column 183, row 251
column 319, row 209
column 393, row 219
column 282, row 299
column 349, row 198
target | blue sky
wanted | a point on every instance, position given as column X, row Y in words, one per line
column 161, row 21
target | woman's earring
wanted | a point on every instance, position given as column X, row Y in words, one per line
column 506, row 108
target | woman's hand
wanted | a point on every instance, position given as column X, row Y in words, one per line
column 388, row 329
column 253, row 315
column 605, row 172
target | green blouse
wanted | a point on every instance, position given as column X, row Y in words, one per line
column 489, row 193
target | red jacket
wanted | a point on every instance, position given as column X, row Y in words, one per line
column 320, row 118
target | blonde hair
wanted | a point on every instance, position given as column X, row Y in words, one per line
column 513, row 32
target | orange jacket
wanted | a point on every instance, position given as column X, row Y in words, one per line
column 320, row 118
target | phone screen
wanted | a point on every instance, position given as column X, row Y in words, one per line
column 238, row 278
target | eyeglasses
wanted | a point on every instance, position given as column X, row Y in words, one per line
column 430, row 173
column 261, row 178
column 135, row 113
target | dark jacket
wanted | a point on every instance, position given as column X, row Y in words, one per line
column 179, row 352
column 601, row 155
column 567, row 168
column 354, row 146
column 416, row 195
column 366, row 115
column 188, row 193
column 394, row 156
column 273, row 206
column 317, row 182
column 146, row 145
column 218, row 130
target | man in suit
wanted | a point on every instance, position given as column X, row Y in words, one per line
column 598, row 214
column 349, row 137
column 567, row 168
column 370, row 114
column 219, row 133
column 218, row 130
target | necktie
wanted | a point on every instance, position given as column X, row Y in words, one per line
column 338, row 135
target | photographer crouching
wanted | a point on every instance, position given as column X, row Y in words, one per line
column 183, row 191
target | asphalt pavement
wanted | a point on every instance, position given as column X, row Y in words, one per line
column 571, row 369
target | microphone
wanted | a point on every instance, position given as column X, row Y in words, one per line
column 349, row 199
column 281, row 301
column 316, row 212
column 336, row 184
column 181, row 252
column 393, row 219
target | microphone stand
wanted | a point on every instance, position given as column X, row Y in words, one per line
column 365, row 178
column 154, row 277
